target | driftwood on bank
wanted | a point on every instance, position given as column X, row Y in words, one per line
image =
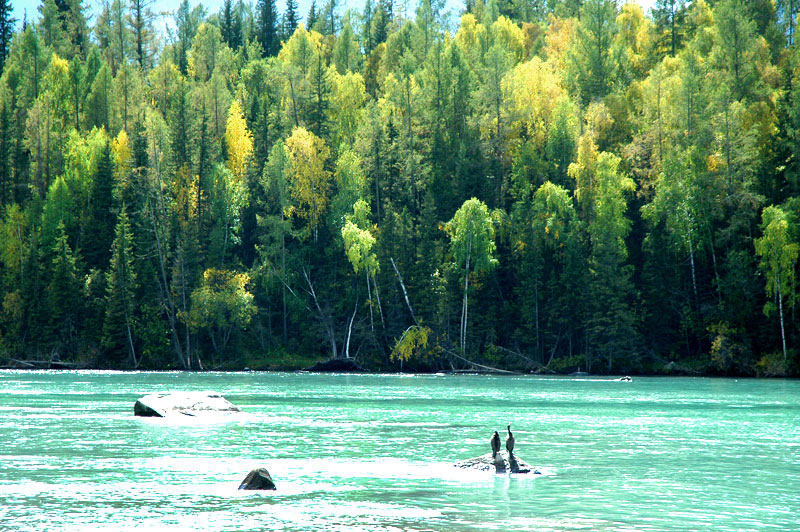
column 43, row 364
column 536, row 365
column 479, row 368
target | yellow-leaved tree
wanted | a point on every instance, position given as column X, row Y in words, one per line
column 309, row 180
column 532, row 90
column 238, row 141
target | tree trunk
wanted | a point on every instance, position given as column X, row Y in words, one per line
column 294, row 101
column 780, row 313
column 350, row 328
column 166, row 299
column 283, row 277
column 369, row 299
column 716, row 273
column 691, row 262
column 405, row 293
column 378, row 300
column 465, row 303
column 130, row 341
column 536, row 312
column 324, row 318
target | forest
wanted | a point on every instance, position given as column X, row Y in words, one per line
column 527, row 185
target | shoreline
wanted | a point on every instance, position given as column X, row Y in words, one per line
column 611, row 377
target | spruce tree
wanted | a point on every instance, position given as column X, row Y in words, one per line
column 141, row 19
column 120, row 293
column 311, row 20
column 6, row 31
column 291, row 17
column 98, row 232
column 231, row 24
column 669, row 16
column 330, row 17
column 366, row 31
column 63, row 291
column 5, row 153
column 267, row 26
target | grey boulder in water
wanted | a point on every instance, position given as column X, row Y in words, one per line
column 184, row 403
column 257, row 479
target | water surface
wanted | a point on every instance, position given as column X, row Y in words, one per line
column 369, row 452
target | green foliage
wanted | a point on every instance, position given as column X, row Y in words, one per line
column 778, row 256
column 221, row 304
column 577, row 182
column 120, row 295
column 593, row 61
column 358, row 244
column 471, row 235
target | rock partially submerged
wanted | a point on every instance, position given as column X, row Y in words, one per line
column 184, row 403
column 257, row 479
column 500, row 465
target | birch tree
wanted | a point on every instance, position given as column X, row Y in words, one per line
column 778, row 260
column 472, row 244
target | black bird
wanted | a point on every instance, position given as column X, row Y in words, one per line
column 509, row 440
column 495, row 444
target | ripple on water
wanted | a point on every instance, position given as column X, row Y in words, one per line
column 374, row 452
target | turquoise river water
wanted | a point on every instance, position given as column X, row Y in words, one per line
column 375, row 453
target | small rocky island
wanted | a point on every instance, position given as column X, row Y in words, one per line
column 498, row 461
column 183, row 403
column 500, row 464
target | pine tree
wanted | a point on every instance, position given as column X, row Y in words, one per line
column 6, row 179
column 180, row 121
column 187, row 21
column 311, row 19
column 98, row 232
column 366, row 30
column 120, row 293
column 63, row 26
column 267, row 26
column 594, row 61
column 6, row 31
column 669, row 16
column 230, row 18
column 330, row 23
column 63, row 292
column 141, row 20
column 319, row 82
column 291, row 17
column 226, row 21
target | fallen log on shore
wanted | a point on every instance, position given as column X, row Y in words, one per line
column 43, row 364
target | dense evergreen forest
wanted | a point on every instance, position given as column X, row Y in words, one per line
column 539, row 185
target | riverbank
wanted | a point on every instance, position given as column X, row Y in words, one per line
column 324, row 365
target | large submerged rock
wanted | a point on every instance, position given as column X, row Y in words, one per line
column 502, row 464
column 185, row 403
column 257, row 479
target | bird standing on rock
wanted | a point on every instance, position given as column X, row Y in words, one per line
column 509, row 441
column 495, row 444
